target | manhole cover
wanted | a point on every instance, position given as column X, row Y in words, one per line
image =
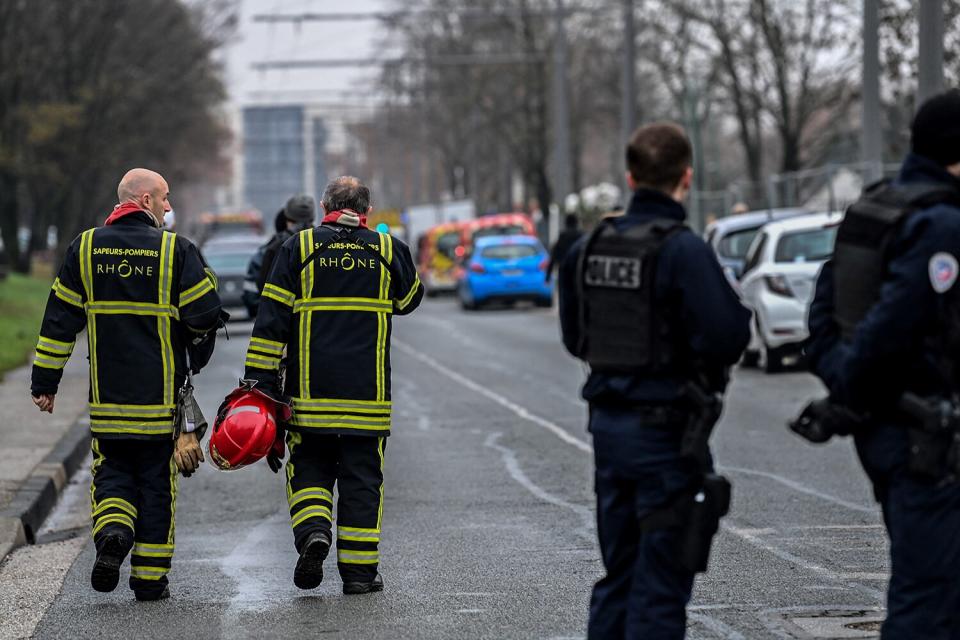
column 842, row 623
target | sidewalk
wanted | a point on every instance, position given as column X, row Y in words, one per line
column 40, row 451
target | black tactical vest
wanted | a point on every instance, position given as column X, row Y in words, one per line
column 863, row 241
column 621, row 328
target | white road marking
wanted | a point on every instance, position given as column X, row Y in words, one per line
column 802, row 488
column 520, row 411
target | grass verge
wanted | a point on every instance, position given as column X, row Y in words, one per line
column 22, row 300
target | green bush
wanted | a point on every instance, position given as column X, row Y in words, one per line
column 22, row 300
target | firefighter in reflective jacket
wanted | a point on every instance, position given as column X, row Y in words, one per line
column 143, row 295
column 643, row 301
column 329, row 302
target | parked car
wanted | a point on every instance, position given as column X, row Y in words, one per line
column 437, row 259
column 731, row 237
column 505, row 268
column 229, row 260
column 778, row 283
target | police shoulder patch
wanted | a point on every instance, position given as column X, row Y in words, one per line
column 943, row 270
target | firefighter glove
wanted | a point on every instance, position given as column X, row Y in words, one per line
column 275, row 457
column 187, row 453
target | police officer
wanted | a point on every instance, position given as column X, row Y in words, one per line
column 645, row 304
column 329, row 302
column 144, row 295
column 874, row 326
column 297, row 215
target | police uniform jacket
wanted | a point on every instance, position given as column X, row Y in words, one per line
column 333, row 316
column 706, row 318
column 143, row 294
column 891, row 350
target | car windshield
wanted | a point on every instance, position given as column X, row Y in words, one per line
column 509, row 251
column 736, row 243
column 447, row 243
column 810, row 245
column 228, row 261
column 500, row 230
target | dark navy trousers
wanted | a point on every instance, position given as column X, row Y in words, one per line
column 638, row 470
column 923, row 521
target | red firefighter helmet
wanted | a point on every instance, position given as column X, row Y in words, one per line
column 245, row 428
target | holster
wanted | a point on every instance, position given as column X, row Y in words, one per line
column 934, row 436
column 695, row 514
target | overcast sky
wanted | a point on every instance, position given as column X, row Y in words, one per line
column 259, row 42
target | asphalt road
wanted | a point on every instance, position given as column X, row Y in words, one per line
column 489, row 524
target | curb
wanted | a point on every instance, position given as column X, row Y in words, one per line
column 37, row 496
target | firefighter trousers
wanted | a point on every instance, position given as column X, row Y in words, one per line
column 354, row 464
column 134, row 492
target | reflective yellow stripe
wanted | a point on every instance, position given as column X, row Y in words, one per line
column 67, row 294
column 174, row 480
column 114, row 503
column 269, row 346
column 330, row 404
column 55, row 346
column 343, row 304
column 86, row 278
column 118, row 518
column 123, row 307
column 293, row 439
column 133, row 410
column 49, row 362
column 130, row 428
column 164, row 282
column 164, row 297
column 148, row 573
column 306, row 319
column 86, row 262
column 94, row 360
column 313, row 511
column 342, row 422
column 383, row 442
column 349, row 556
column 262, row 362
column 355, row 534
column 409, row 297
column 310, row 493
column 148, row 550
column 196, row 292
column 212, row 276
column 279, row 294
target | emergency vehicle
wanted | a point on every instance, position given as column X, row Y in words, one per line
column 437, row 257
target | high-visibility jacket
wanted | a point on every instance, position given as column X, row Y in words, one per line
column 333, row 314
column 142, row 295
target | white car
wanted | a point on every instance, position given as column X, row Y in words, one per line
column 778, row 283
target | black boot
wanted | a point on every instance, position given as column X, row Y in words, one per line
column 309, row 571
column 112, row 550
column 149, row 596
column 354, row 588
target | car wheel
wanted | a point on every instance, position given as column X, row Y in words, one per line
column 772, row 359
column 750, row 359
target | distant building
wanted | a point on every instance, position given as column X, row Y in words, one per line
column 283, row 155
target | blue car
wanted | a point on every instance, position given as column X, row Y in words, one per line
column 505, row 269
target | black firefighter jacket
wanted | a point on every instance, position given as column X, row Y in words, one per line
column 143, row 295
column 333, row 315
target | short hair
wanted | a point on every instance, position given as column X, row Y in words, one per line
column 346, row 192
column 658, row 155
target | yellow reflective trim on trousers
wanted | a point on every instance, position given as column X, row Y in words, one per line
column 269, row 346
column 114, row 503
column 98, row 459
column 349, row 556
column 113, row 518
column 329, row 404
column 195, row 292
column 409, row 297
column 383, row 442
column 313, row 511
column 48, row 362
column 278, row 294
column 67, row 294
column 293, row 439
column 174, row 479
column 55, row 346
column 354, row 534
column 148, row 573
column 151, row 550
column 310, row 493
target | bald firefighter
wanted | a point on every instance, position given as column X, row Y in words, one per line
column 145, row 297
column 329, row 302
